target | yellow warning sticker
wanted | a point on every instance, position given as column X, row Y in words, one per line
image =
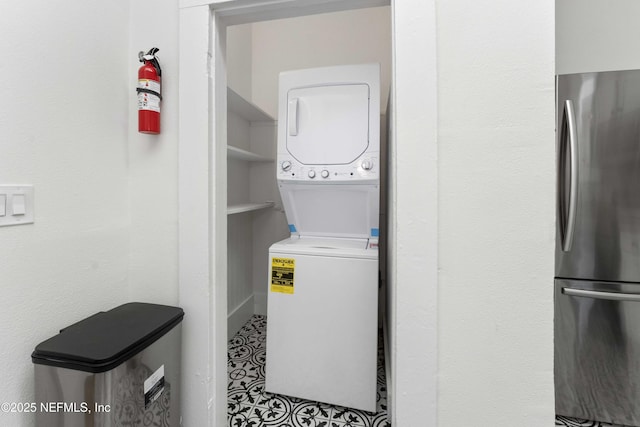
column 282, row 270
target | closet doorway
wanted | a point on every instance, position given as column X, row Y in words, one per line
column 203, row 177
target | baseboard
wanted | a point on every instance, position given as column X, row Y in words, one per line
column 260, row 303
column 239, row 316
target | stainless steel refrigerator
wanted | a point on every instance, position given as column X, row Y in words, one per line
column 597, row 265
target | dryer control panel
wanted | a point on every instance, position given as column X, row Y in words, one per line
column 366, row 168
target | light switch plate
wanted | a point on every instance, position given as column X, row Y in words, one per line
column 9, row 191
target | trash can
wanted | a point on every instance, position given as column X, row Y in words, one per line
column 115, row 368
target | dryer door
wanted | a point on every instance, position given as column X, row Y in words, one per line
column 328, row 125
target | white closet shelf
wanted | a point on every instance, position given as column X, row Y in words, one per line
column 245, row 109
column 240, row 154
column 248, row 207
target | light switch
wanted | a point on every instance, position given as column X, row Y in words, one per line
column 18, row 205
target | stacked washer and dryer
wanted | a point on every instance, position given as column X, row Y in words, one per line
column 323, row 280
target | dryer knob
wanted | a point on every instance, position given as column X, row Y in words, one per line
column 367, row 165
column 286, row 165
column 312, row 174
column 325, row 173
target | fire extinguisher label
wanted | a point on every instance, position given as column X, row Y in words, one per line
column 149, row 84
column 149, row 102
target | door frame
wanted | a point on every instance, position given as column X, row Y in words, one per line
column 202, row 218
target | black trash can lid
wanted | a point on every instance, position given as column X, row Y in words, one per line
column 106, row 339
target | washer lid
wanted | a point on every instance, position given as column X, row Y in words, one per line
column 328, row 125
column 328, row 210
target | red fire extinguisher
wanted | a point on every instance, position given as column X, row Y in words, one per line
column 149, row 92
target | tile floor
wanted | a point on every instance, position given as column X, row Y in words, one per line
column 250, row 406
column 574, row 422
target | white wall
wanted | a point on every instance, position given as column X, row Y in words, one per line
column 106, row 196
column 202, row 170
column 152, row 160
column 413, row 218
column 596, row 35
column 496, row 212
column 389, row 279
column 64, row 98
column 239, row 58
column 351, row 37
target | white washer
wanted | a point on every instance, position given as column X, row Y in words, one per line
column 323, row 281
column 321, row 340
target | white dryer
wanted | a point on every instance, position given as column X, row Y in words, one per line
column 323, row 280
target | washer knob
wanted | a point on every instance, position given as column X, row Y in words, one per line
column 312, row 174
column 325, row 173
column 286, row 165
column 367, row 165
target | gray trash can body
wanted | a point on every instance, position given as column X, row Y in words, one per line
column 116, row 368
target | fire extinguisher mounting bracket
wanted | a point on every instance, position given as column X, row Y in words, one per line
column 152, row 92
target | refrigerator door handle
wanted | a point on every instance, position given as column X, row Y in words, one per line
column 615, row 296
column 569, row 132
